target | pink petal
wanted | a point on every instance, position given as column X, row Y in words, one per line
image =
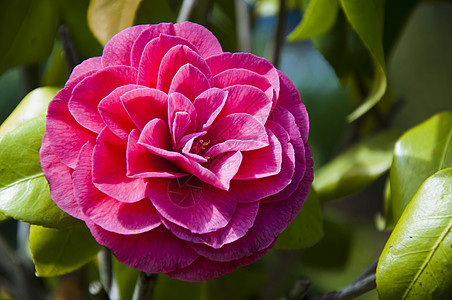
column 188, row 141
column 225, row 61
column 241, row 222
column 189, row 81
column 156, row 135
column 208, row 106
column 203, row 269
column 181, row 106
column 204, row 41
column 289, row 98
column 84, row 69
column 225, row 167
column 249, row 100
column 109, row 170
column 155, row 251
column 271, row 220
column 114, row 114
column 191, row 204
column 59, row 177
column 117, row 50
column 64, row 134
column 152, row 32
column 287, row 120
column 244, row 77
column 236, row 132
column 90, row 91
column 262, row 162
column 174, row 59
column 143, row 164
column 145, row 104
column 152, row 56
column 108, row 213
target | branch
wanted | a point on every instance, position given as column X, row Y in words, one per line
column 352, row 291
column 106, row 269
column 186, row 10
column 243, row 26
column 145, row 286
column 72, row 58
column 280, row 32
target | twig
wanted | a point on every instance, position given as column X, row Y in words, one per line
column 280, row 32
column 105, row 269
column 243, row 26
column 97, row 291
column 186, row 10
column 145, row 286
column 369, row 271
column 299, row 289
column 352, row 291
column 71, row 55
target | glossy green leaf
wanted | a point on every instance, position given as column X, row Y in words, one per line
column 356, row 168
column 60, row 251
column 416, row 262
column 366, row 18
column 318, row 19
column 33, row 105
column 108, row 17
column 27, row 31
column 307, row 228
column 24, row 191
column 419, row 153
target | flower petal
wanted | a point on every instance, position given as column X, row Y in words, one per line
column 189, row 81
column 59, row 177
column 117, row 50
column 155, row 251
column 145, row 104
column 109, row 213
column 91, row 90
column 208, row 106
column 84, row 69
column 109, row 170
column 191, row 204
column 204, row 41
column 181, row 117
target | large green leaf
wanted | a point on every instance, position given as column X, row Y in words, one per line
column 318, row 19
column 60, row 251
column 366, row 17
column 307, row 228
column 24, row 191
column 419, row 153
column 416, row 262
column 108, row 17
column 27, row 31
column 356, row 168
column 34, row 104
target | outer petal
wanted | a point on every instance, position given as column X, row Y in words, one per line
column 155, row 251
column 59, row 177
column 110, row 214
column 86, row 68
column 90, row 91
column 203, row 269
column 191, row 204
column 117, row 50
column 204, row 41
column 109, row 170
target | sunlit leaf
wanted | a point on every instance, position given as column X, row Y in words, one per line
column 108, row 17
column 356, row 168
column 419, row 153
column 33, row 105
column 307, row 228
column 60, row 251
column 366, row 18
column 24, row 191
column 27, row 31
column 318, row 19
column 416, row 262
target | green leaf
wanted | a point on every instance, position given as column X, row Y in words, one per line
column 366, row 18
column 60, row 251
column 419, row 153
column 108, row 17
column 318, row 19
column 24, row 191
column 356, row 168
column 307, row 228
column 169, row 288
column 416, row 262
column 34, row 104
column 27, row 31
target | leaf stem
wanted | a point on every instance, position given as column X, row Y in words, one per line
column 145, row 286
column 186, row 10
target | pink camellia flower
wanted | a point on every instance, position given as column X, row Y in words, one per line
column 179, row 157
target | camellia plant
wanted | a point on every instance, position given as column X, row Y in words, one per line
column 162, row 150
